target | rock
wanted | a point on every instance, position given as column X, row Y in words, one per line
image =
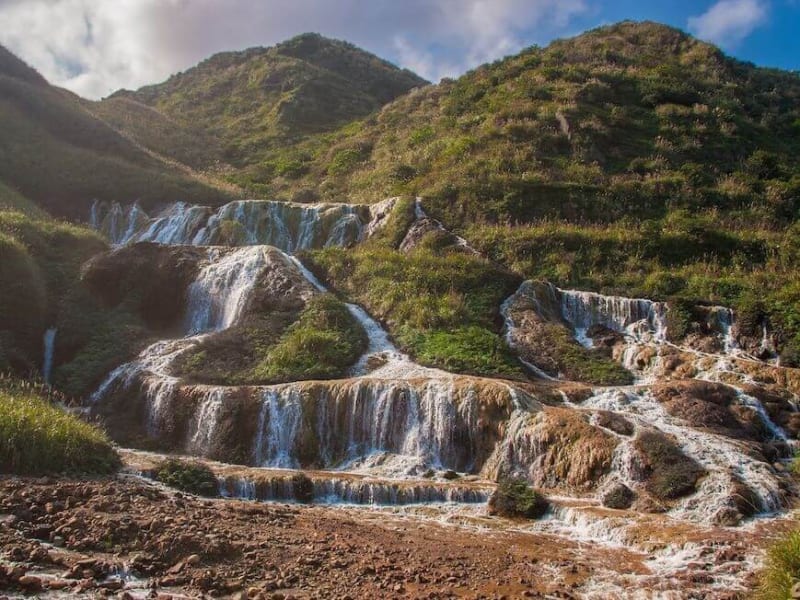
column 614, row 422
column 727, row 517
column 618, row 496
column 193, row 560
column 30, row 583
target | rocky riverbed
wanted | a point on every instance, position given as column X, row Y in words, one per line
column 127, row 538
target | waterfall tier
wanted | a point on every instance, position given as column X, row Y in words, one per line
column 286, row 225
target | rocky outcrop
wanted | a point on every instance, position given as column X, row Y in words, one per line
column 712, row 406
column 153, row 277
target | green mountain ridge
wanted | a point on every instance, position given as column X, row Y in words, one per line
column 56, row 154
column 262, row 98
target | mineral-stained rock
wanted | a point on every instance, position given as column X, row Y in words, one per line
column 618, row 495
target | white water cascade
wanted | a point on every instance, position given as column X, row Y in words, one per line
column 724, row 459
column 219, row 293
column 633, row 317
column 289, row 226
column 49, row 342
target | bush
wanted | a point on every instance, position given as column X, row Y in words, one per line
column 191, row 477
column 514, row 498
column 37, row 438
column 782, row 570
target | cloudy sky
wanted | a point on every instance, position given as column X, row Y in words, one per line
column 94, row 47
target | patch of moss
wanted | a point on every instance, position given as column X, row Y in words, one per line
column 441, row 305
column 319, row 342
column 671, row 474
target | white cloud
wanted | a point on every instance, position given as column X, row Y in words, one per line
column 728, row 22
column 94, row 47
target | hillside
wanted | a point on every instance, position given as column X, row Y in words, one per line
column 259, row 99
column 55, row 154
column 632, row 159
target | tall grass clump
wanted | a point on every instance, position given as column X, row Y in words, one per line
column 37, row 438
column 782, row 570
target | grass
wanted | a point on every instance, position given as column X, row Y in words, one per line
column 515, row 498
column 321, row 344
column 782, row 570
column 319, row 341
column 440, row 305
column 671, row 474
column 37, row 438
column 40, row 262
column 192, row 477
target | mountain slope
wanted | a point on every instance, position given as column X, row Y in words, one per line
column 258, row 98
column 55, row 153
column 621, row 118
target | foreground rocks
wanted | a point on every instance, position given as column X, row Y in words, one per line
column 125, row 538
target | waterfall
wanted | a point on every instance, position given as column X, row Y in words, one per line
column 633, row 317
column 47, row 360
column 220, row 291
column 723, row 458
column 330, row 489
column 395, row 426
column 286, row 225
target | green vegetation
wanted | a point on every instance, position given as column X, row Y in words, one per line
column 320, row 341
column 40, row 261
column 191, row 477
column 782, row 570
column 57, row 154
column 37, row 438
column 258, row 103
column 441, row 305
column 515, row 498
column 321, row 344
column 671, row 474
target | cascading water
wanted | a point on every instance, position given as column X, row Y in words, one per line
column 633, row 317
column 285, row 225
column 723, row 458
column 49, row 342
column 219, row 293
column 394, row 420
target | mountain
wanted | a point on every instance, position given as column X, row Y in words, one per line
column 59, row 156
column 260, row 98
column 622, row 118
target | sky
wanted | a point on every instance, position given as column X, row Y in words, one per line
column 94, row 47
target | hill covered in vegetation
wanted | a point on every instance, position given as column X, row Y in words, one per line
column 58, row 156
column 260, row 99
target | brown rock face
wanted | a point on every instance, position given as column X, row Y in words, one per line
column 558, row 448
column 669, row 473
column 711, row 406
column 153, row 276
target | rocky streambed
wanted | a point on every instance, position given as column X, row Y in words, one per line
column 127, row 537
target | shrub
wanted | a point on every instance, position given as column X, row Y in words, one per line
column 782, row 569
column 514, row 498
column 191, row 477
column 38, row 438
